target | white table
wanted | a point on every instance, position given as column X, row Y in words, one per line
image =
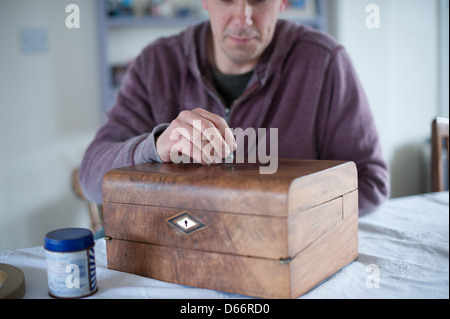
column 403, row 253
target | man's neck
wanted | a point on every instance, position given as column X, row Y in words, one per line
column 233, row 68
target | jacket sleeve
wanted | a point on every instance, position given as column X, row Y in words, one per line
column 128, row 136
column 348, row 131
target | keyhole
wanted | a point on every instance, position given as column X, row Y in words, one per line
column 185, row 223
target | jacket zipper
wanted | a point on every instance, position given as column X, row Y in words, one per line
column 245, row 95
column 240, row 99
column 227, row 110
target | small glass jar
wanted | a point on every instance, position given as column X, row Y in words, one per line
column 70, row 263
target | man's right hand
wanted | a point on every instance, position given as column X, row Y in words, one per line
column 199, row 135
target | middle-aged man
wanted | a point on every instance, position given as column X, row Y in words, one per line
column 244, row 68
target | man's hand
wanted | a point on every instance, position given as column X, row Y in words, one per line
column 198, row 134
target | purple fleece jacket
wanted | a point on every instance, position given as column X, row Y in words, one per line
column 304, row 85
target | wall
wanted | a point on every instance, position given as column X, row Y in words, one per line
column 49, row 110
column 399, row 68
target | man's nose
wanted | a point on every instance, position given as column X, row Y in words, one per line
column 243, row 14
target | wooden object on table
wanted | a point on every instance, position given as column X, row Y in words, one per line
column 227, row 227
column 439, row 137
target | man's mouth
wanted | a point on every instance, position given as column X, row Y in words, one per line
column 241, row 41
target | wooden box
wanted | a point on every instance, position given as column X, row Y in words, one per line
column 227, row 227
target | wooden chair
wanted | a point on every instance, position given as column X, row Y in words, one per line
column 439, row 137
column 95, row 210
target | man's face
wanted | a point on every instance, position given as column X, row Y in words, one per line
column 242, row 30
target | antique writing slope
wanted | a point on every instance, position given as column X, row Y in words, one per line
column 227, row 227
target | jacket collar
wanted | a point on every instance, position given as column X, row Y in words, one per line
column 195, row 46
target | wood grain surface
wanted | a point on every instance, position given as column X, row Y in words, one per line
column 270, row 236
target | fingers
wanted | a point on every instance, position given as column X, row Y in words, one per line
column 197, row 134
column 189, row 144
column 222, row 127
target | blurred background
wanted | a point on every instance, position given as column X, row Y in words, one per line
column 58, row 78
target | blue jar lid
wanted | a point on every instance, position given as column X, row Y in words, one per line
column 69, row 239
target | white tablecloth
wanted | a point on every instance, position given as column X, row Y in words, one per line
column 403, row 253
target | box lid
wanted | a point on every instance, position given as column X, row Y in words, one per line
column 233, row 188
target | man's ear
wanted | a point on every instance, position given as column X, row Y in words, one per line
column 282, row 5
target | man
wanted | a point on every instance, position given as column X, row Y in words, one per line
column 242, row 69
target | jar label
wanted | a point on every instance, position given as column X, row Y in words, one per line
column 71, row 274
